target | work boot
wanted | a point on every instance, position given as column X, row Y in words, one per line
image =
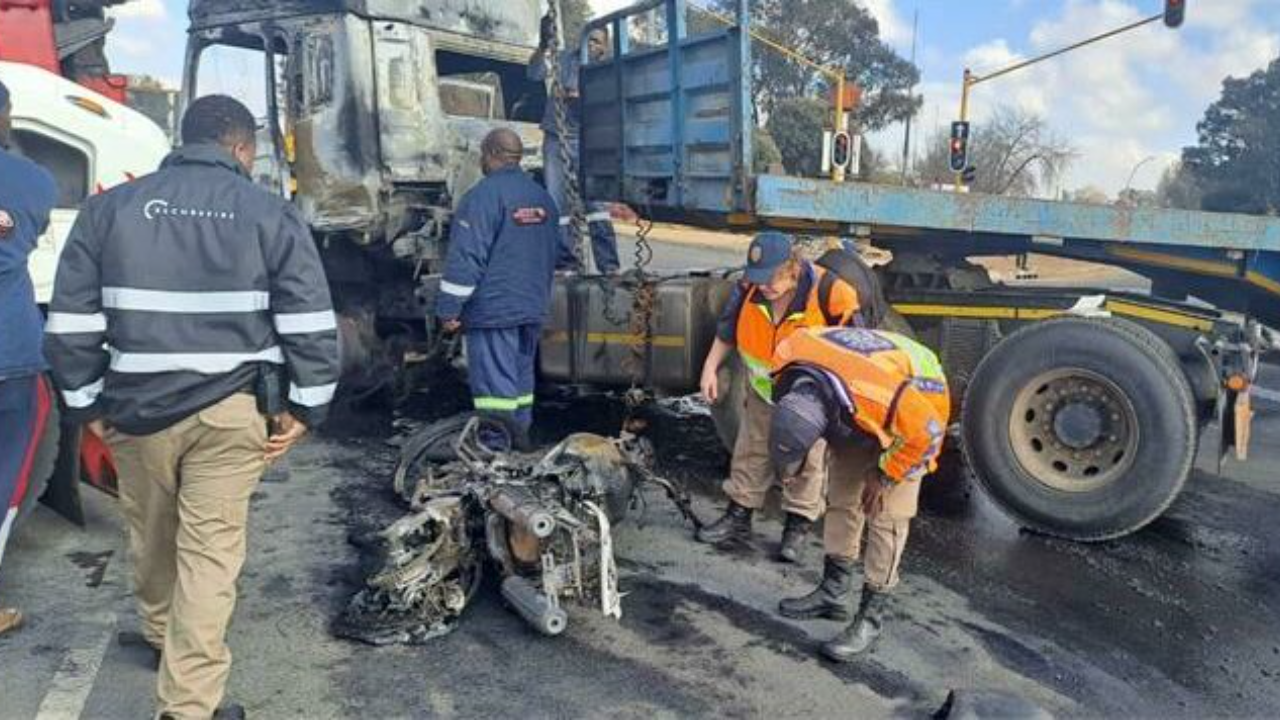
column 861, row 633
column 830, row 599
column 229, row 711
column 794, row 533
column 137, row 641
column 732, row 528
column 10, row 620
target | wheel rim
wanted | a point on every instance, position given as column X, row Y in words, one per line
column 1074, row 430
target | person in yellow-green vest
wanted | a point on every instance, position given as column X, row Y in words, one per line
column 780, row 294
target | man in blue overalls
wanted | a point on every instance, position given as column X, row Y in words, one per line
column 497, row 280
column 27, row 195
column 604, row 242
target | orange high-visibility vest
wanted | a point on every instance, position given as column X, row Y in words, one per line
column 759, row 333
column 892, row 386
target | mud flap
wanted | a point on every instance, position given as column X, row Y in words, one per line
column 62, row 495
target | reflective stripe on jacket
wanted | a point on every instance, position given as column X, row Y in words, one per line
column 892, row 387
column 759, row 333
column 176, row 290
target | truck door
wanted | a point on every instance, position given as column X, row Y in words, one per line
column 412, row 127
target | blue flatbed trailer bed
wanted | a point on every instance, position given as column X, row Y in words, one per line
column 668, row 129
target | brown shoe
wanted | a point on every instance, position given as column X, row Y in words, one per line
column 9, row 620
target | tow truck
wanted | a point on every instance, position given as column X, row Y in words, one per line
column 1083, row 410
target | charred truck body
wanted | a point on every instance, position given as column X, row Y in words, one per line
column 372, row 112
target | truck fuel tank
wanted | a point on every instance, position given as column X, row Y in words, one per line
column 589, row 341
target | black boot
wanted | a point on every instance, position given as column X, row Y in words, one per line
column 732, row 527
column 794, row 533
column 230, row 711
column 861, row 633
column 830, row 599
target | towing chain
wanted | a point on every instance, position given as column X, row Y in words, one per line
column 643, row 310
column 644, row 298
column 578, row 228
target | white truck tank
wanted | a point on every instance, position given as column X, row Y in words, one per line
column 89, row 143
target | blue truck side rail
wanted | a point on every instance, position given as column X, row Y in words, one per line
column 667, row 125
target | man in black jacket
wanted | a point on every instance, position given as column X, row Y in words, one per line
column 189, row 304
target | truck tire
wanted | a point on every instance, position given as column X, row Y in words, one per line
column 1081, row 428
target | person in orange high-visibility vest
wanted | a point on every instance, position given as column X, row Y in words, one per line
column 781, row 293
column 881, row 402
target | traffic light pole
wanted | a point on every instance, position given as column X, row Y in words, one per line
column 972, row 79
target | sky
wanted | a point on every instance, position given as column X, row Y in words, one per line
column 1135, row 97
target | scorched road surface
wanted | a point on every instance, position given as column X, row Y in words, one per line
column 1180, row 620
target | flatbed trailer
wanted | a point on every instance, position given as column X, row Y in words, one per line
column 1083, row 411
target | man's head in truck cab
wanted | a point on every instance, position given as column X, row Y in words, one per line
column 598, row 45
column 5, row 119
column 501, row 148
column 220, row 120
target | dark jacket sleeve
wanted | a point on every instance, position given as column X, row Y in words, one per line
column 727, row 326
column 537, row 70
column 303, row 315
column 75, row 332
column 475, row 230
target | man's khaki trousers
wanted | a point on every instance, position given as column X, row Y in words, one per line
column 185, row 493
column 853, row 464
column 751, row 472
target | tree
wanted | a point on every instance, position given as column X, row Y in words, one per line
column 796, row 126
column 1134, row 198
column 766, row 151
column 1088, row 195
column 1177, row 189
column 835, row 34
column 1014, row 152
column 1236, row 161
column 576, row 14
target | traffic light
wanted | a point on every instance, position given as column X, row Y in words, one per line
column 959, row 146
column 1175, row 11
column 842, row 150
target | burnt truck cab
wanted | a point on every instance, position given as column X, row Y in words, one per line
column 371, row 115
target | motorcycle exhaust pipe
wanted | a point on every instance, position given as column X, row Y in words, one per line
column 524, row 511
column 533, row 606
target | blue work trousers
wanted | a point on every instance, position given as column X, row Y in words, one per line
column 26, row 407
column 501, row 364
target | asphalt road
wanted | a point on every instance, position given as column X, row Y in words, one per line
column 1179, row 620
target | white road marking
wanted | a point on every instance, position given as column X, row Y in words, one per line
column 76, row 674
column 1266, row 394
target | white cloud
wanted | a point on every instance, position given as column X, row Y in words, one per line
column 148, row 9
column 892, row 28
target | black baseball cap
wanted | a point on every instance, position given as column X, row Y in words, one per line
column 769, row 251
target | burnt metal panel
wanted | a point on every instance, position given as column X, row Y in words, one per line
column 413, row 130
column 335, row 131
column 515, row 22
